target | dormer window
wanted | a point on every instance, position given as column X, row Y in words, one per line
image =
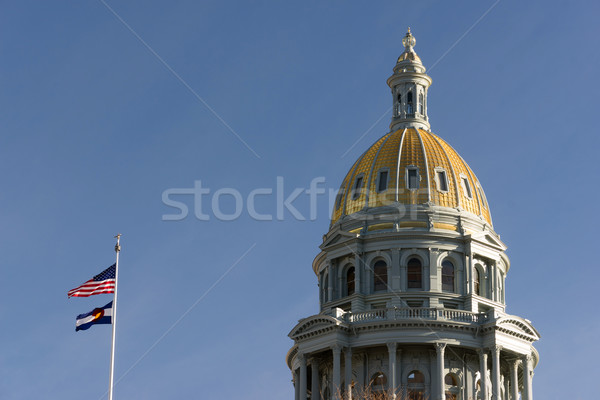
column 412, row 178
column 482, row 195
column 339, row 197
column 382, row 181
column 357, row 187
column 441, row 180
column 466, row 187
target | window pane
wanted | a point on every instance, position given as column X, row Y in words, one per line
column 414, row 278
column 450, row 380
column 467, row 188
column 442, row 180
column 413, row 181
column 380, row 276
column 357, row 188
column 415, row 377
column 339, row 197
column 482, row 195
column 350, row 281
column 383, row 181
column 447, row 276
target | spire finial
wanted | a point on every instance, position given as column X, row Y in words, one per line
column 409, row 40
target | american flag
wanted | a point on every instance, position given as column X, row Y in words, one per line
column 104, row 282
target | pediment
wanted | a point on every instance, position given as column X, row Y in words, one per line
column 518, row 327
column 489, row 239
column 314, row 324
column 339, row 237
column 333, row 240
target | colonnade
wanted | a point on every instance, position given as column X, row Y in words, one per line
column 437, row 382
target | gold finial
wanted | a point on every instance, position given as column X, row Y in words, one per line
column 408, row 40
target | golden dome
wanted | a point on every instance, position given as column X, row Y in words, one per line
column 409, row 56
column 410, row 166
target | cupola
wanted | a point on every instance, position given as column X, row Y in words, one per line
column 409, row 84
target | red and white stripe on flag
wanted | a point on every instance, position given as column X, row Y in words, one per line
column 104, row 282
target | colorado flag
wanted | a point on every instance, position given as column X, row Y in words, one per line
column 101, row 315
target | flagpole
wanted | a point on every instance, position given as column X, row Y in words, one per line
column 114, row 320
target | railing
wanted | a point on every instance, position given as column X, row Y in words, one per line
column 365, row 316
column 420, row 313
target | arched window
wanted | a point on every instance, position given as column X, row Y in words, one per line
column 415, row 274
column 380, row 276
column 350, row 281
column 452, row 389
column 409, row 103
column 447, row 276
column 421, row 109
column 476, row 281
column 416, row 386
column 399, row 104
column 378, row 380
column 325, row 288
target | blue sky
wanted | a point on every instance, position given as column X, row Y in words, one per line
column 94, row 127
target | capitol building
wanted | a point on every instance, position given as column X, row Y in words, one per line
column 412, row 275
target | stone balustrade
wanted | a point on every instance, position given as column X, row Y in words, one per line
column 420, row 313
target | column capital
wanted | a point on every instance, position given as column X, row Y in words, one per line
column 496, row 348
column 300, row 357
column 336, row 348
column 392, row 346
column 348, row 350
column 482, row 352
column 440, row 347
column 527, row 359
column 514, row 362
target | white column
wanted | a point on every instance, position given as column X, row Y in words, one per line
column 469, row 273
column 302, row 360
column 527, row 378
column 296, row 387
column 360, row 372
column 399, row 370
column 433, row 390
column 337, row 378
column 440, row 348
column 348, row 372
column 514, row 380
column 330, row 278
column 392, row 385
column 314, row 377
column 358, row 272
column 483, row 373
column 496, row 392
